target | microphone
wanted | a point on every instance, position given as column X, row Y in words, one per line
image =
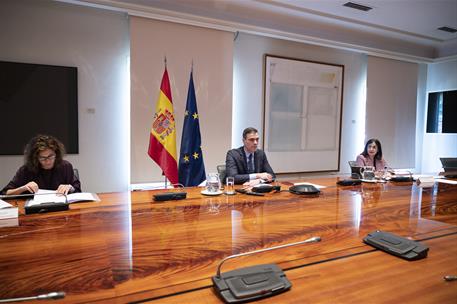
column 48, row 296
column 314, row 239
column 40, row 206
column 255, row 282
column 165, row 196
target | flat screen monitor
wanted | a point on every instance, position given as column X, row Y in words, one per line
column 449, row 163
column 441, row 112
column 37, row 99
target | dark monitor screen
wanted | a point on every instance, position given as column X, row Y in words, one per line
column 441, row 112
column 449, row 163
column 37, row 99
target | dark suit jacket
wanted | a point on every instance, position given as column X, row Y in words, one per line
column 236, row 164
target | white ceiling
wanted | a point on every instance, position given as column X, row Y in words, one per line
column 397, row 27
column 419, row 18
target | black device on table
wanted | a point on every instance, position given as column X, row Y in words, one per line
column 397, row 245
column 249, row 192
column 306, row 189
column 167, row 196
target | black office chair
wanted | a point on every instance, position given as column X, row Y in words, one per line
column 355, row 169
column 221, row 171
column 76, row 173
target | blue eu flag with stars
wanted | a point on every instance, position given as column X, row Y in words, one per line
column 191, row 167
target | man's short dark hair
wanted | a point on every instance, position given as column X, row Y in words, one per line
column 248, row 131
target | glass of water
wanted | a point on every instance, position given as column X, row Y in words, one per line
column 213, row 183
column 368, row 172
column 230, row 185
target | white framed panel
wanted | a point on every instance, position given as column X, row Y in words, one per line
column 302, row 114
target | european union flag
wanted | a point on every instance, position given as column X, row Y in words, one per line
column 191, row 167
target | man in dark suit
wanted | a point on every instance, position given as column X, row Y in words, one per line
column 247, row 164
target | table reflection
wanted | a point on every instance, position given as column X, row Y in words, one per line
column 439, row 203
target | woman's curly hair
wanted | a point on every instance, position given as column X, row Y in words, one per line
column 40, row 143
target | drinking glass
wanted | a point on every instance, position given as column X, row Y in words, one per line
column 213, row 183
column 367, row 172
column 230, row 185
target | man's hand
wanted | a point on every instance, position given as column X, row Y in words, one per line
column 252, row 183
column 265, row 176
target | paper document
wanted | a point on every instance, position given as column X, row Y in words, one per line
column 7, row 211
column 49, row 196
column 4, row 204
column 447, row 181
column 9, row 222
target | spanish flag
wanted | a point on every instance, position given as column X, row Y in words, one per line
column 162, row 139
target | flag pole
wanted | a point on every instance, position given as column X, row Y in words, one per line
column 162, row 138
column 163, row 173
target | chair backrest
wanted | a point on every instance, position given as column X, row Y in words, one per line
column 76, row 173
column 221, row 171
column 355, row 169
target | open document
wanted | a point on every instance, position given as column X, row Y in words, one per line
column 50, row 196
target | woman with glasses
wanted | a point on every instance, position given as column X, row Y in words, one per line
column 44, row 168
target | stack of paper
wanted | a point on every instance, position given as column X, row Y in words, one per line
column 8, row 214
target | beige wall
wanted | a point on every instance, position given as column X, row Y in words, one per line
column 212, row 54
column 391, row 109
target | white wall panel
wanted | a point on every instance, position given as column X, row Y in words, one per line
column 248, row 88
column 96, row 42
column 441, row 77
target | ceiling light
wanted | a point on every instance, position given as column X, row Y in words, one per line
column 357, row 6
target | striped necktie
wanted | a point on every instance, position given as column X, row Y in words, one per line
column 250, row 164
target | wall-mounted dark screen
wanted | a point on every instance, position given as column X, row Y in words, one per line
column 37, row 99
column 442, row 112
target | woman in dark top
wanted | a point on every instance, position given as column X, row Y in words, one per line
column 44, row 168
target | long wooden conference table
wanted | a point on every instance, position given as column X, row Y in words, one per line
column 128, row 248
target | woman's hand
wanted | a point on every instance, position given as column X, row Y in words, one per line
column 30, row 186
column 64, row 189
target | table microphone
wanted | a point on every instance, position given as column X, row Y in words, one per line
column 42, row 207
column 48, row 296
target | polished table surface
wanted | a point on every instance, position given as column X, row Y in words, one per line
column 128, row 248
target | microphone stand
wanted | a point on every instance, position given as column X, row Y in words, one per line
column 310, row 240
column 48, row 296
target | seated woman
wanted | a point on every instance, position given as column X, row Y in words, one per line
column 372, row 156
column 44, row 168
